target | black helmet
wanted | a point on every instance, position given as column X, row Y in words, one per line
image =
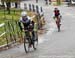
column 56, row 8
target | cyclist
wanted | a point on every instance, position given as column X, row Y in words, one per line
column 28, row 25
column 57, row 16
column 46, row 2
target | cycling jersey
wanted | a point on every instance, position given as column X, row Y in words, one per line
column 56, row 12
column 26, row 23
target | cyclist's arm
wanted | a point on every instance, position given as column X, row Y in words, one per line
column 19, row 23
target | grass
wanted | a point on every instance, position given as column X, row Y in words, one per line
column 13, row 15
column 11, row 18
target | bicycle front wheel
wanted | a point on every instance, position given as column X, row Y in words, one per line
column 26, row 45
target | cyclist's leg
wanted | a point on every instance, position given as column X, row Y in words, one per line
column 33, row 39
column 58, row 23
column 58, row 26
column 33, row 35
column 27, row 35
column 28, row 38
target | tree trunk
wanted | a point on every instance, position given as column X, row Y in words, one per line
column 8, row 7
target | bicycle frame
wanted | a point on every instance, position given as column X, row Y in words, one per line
column 58, row 23
column 30, row 41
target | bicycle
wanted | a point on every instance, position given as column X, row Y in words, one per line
column 29, row 40
column 58, row 21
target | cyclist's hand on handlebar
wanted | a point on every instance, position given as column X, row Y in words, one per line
column 23, row 30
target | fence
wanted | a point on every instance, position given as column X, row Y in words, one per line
column 11, row 33
column 9, row 30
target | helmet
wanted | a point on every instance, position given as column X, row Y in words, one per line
column 24, row 13
column 55, row 8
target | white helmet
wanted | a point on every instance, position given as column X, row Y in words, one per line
column 24, row 13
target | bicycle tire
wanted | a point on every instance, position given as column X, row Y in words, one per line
column 36, row 38
column 35, row 45
column 26, row 48
column 35, row 41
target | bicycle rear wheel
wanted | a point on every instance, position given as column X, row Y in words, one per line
column 35, row 41
column 36, row 37
column 35, row 45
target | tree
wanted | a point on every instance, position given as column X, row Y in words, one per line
column 58, row 2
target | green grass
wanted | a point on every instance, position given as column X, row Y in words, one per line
column 5, row 16
column 15, row 15
column 11, row 18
